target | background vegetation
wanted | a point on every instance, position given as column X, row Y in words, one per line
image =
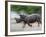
column 26, row 9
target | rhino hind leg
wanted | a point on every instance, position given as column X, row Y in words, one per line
column 39, row 22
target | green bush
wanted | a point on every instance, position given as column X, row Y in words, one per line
column 26, row 9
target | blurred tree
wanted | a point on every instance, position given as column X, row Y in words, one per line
column 26, row 9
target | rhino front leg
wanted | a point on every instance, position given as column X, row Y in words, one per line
column 24, row 25
column 29, row 25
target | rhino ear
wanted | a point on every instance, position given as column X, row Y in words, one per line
column 20, row 16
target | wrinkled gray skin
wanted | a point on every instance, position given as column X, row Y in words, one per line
column 29, row 19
